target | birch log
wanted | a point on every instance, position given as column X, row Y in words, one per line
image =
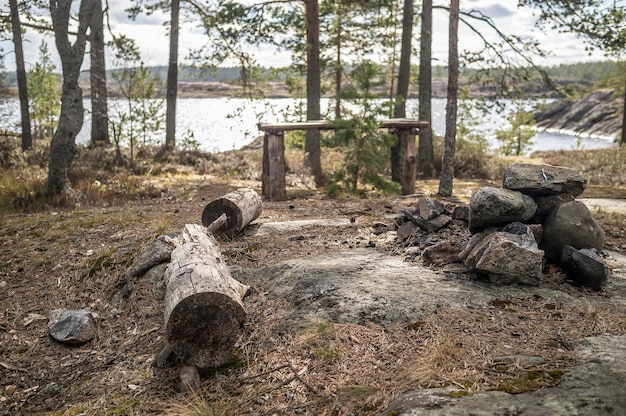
column 204, row 309
column 241, row 208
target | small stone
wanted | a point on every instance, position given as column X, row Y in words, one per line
column 406, row 230
column 10, row 389
column 584, row 267
column 189, row 379
column 444, row 252
column 461, row 212
column 429, row 208
column 71, row 326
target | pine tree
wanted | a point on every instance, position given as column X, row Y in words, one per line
column 45, row 97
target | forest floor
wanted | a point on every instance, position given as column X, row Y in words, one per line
column 75, row 257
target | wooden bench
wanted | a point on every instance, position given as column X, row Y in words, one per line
column 273, row 176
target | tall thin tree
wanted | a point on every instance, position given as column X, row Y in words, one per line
column 172, row 79
column 402, row 93
column 447, row 162
column 425, row 149
column 312, row 146
column 98, row 80
column 20, row 69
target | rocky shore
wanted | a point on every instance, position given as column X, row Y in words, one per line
column 595, row 115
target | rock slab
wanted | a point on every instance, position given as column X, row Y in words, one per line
column 543, row 180
column 591, row 388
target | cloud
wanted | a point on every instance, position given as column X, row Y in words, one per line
column 496, row 11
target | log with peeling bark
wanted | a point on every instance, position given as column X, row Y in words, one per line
column 204, row 310
column 241, row 208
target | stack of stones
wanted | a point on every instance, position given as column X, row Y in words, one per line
column 532, row 219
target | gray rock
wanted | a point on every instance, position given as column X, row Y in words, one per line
column 430, row 225
column 158, row 251
column 508, row 258
column 584, row 267
column 545, row 205
column 592, row 387
column 461, row 212
column 542, row 180
column 406, row 230
column 71, row 326
column 443, row 252
column 570, row 224
column 429, row 208
column 496, row 206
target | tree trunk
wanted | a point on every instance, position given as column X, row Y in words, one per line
column 623, row 138
column 241, row 208
column 63, row 144
column 312, row 149
column 98, row 79
column 20, row 70
column 425, row 149
column 204, row 309
column 404, row 78
column 338, row 66
column 447, row 162
column 172, row 80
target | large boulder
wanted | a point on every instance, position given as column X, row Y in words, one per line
column 542, row 180
column 496, row 206
column 508, row 256
column 570, row 224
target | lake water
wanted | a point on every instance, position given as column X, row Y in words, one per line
column 220, row 124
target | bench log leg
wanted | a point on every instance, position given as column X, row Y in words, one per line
column 273, row 184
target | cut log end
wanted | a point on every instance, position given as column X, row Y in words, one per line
column 241, row 207
column 204, row 328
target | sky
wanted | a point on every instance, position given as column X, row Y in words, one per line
column 151, row 36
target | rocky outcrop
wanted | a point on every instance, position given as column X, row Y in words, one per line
column 597, row 114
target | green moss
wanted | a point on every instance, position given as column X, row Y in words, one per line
column 458, row 394
column 531, row 381
column 101, row 262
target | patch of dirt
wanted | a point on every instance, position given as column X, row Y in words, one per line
column 77, row 259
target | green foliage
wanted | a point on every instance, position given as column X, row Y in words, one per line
column 365, row 145
column 295, row 139
column 44, row 95
column 516, row 139
column 140, row 116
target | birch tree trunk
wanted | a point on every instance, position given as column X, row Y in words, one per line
column 63, row 144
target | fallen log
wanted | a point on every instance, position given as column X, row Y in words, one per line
column 204, row 309
column 241, row 208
